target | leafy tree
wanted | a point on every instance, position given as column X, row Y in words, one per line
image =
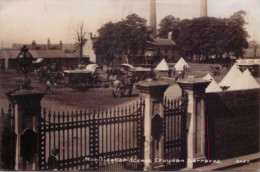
column 124, row 37
column 108, row 41
column 207, row 36
column 169, row 24
column 134, row 33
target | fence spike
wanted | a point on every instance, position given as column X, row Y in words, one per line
column 9, row 109
column 129, row 109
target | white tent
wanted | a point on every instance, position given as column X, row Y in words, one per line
column 246, row 81
column 233, row 74
column 213, row 86
column 180, row 65
column 162, row 66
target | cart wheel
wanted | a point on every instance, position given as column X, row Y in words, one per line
column 116, row 92
column 87, row 83
column 95, row 75
column 67, row 80
column 130, row 73
column 97, row 83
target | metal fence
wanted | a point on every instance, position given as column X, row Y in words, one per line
column 174, row 132
column 110, row 139
column 7, row 139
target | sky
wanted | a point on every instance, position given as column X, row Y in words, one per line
column 22, row 21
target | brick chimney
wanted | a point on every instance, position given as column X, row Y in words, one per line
column 48, row 43
column 60, row 44
column 203, row 8
column 33, row 44
column 153, row 17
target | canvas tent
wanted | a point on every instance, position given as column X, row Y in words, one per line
column 162, row 66
column 179, row 66
column 233, row 74
column 213, row 86
column 246, row 81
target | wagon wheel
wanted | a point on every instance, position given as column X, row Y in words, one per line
column 94, row 75
column 67, row 80
column 97, row 83
column 130, row 74
column 87, row 83
column 116, row 92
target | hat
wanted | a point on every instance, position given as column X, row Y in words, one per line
column 54, row 151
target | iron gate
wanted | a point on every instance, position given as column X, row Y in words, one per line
column 174, row 132
column 7, row 138
column 104, row 140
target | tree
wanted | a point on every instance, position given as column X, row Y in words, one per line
column 134, row 34
column 124, row 37
column 81, row 40
column 108, row 41
column 169, row 24
column 205, row 36
column 237, row 33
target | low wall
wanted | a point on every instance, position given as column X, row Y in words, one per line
column 233, row 123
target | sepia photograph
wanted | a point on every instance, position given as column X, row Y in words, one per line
column 129, row 85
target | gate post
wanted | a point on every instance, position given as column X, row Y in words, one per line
column 27, row 112
column 152, row 91
column 195, row 88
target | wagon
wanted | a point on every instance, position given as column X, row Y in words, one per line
column 139, row 73
column 82, row 77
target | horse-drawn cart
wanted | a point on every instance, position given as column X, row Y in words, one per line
column 82, row 77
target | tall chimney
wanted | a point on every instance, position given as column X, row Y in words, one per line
column 203, row 8
column 60, row 44
column 153, row 17
column 48, row 43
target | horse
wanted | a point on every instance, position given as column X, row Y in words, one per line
column 120, row 86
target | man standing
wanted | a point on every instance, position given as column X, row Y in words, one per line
column 52, row 160
column 48, row 86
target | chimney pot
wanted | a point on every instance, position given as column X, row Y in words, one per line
column 170, row 35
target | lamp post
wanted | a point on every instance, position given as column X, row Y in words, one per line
column 24, row 59
column 150, row 54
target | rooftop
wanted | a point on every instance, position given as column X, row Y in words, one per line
column 12, row 53
column 162, row 42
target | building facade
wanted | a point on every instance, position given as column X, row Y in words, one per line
column 65, row 54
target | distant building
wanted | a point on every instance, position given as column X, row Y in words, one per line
column 51, row 53
column 253, row 50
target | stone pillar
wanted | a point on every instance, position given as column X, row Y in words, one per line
column 195, row 88
column 27, row 103
column 152, row 91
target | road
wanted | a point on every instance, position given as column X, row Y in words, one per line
column 66, row 99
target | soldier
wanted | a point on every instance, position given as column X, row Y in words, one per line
column 52, row 160
column 169, row 73
column 48, row 86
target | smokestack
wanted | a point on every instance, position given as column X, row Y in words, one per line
column 153, row 17
column 203, row 8
column 60, row 44
column 48, row 43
